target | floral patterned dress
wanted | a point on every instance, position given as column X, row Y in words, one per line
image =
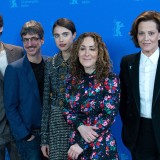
column 94, row 104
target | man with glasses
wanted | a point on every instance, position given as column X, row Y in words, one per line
column 23, row 91
column 8, row 54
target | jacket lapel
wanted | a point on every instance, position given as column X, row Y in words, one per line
column 9, row 53
column 134, row 77
column 156, row 91
column 31, row 77
column 1, row 76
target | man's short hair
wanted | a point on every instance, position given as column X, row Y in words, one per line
column 32, row 27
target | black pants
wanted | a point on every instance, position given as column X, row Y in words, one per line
column 12, row 151
column 146, row 147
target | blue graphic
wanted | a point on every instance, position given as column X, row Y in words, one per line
column 13, row 4
column 73, row 2
column 27, row 3
column 117, row 28
column 112, row 19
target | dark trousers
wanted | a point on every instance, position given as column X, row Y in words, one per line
column 146, row 147
column 12, row 151
column 31, row 150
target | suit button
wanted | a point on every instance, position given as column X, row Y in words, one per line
column 62, row 90
column 61, row 103
column 62, row 77
column 63, row 64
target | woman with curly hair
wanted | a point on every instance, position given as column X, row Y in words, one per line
column 92, row 100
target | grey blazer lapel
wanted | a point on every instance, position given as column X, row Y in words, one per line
column 13, row 53
column 134, row 76
column 1, row 76
column 9, row 53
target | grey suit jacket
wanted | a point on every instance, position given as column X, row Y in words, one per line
column 13, row 53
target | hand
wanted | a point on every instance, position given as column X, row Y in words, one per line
column 74, row 151
column 45, row 150
column 88, row 133
column 31, row 138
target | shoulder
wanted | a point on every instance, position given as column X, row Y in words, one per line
column 48, row 60
column 112, row 76
column 51, row 63
column 11, row 46
column 69, row 78
column 16, row 51
column 52, row 59
column 112, row 79
column 17, row 63
column 112, row 83
column 45, row 57
column 130, row 57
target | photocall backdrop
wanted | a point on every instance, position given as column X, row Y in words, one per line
column 112, row 19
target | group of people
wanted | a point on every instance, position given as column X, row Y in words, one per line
column 63, row 107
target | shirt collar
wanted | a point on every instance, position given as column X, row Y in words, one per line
column 153, row 58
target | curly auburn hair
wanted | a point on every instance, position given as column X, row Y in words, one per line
column 143, row 17
column 103, row 64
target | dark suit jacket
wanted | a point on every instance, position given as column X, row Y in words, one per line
column 22, row 99
column 13, row 53
column 130, row 100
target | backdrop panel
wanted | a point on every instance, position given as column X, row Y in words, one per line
column 112, row 19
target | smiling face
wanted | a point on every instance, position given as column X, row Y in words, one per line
column 88, row 54
column 148, row 37
column 32, row 44
column 63, row 38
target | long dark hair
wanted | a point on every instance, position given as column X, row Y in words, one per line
column 66, row 23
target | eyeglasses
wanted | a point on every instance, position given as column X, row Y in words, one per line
column 32, row 40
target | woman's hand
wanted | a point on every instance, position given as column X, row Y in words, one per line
column 74, row 151
column 45, row 150
column 88, row 133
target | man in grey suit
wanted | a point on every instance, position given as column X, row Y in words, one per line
column 8, row 54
